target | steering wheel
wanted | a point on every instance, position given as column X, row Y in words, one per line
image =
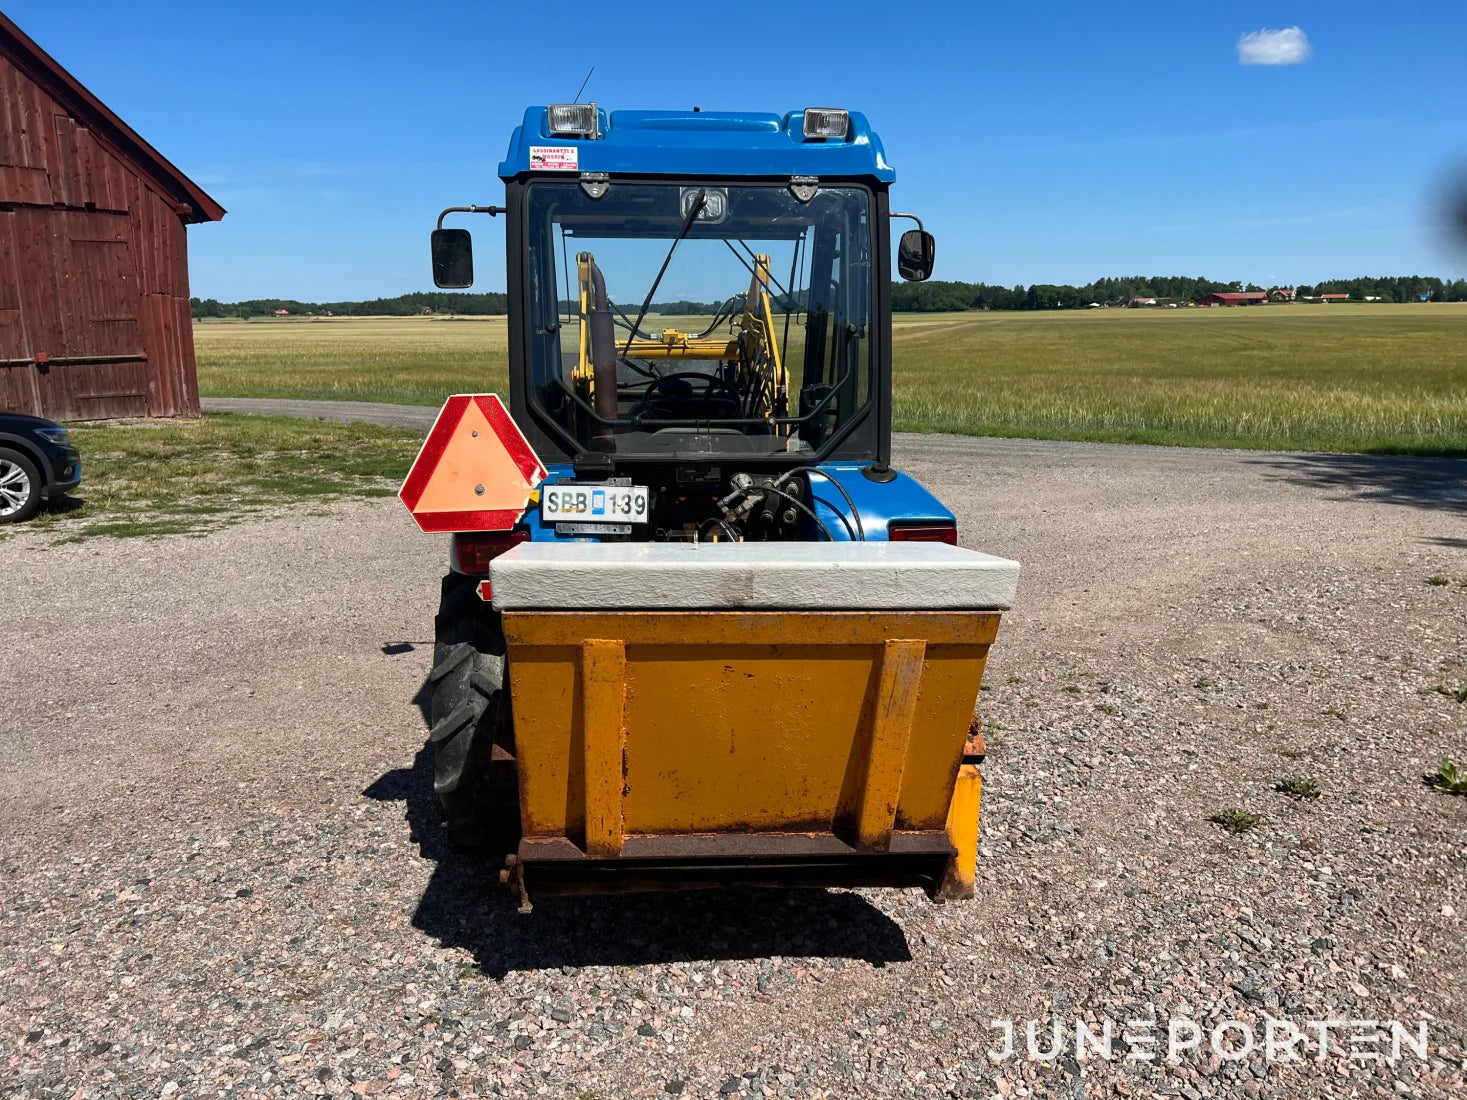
column 676, row 397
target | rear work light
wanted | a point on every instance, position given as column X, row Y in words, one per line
column 826, row 122
column 473, row 553
column 572, row 119
column 923, row 532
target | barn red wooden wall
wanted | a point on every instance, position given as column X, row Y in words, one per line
column 94, row 298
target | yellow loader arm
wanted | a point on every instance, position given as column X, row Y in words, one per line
column 751, row 346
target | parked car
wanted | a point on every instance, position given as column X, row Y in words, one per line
column 37, row 462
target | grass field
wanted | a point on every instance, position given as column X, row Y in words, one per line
column 1340, row 378
column 173, row 477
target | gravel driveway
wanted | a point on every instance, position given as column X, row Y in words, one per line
column 220, row 872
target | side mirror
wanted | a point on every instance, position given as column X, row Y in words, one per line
column 453, row 258
column 915, row 255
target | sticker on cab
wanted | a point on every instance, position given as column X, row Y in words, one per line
column 554, row 158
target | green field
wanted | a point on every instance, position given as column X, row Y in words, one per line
column 167, row 477
column 1302, row 377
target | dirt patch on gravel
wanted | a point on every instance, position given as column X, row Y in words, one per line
column 221, row 873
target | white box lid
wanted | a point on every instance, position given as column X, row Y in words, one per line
column 825, row 576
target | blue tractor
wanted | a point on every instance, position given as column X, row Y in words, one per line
column 720, row 639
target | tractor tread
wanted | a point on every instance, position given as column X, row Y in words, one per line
column 457, row 655
column 470, row 713
column 455, row 722
column 485, row 683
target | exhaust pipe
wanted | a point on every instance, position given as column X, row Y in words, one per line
column 603, row 360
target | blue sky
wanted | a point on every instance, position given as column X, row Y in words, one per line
column 1052, row 143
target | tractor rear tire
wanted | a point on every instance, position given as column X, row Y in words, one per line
column 470, row 713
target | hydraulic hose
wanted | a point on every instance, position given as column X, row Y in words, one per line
column 733, row 536
column 851, row 504
column 850, row 531
column 800, row 504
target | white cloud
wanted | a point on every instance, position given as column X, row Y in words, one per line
column 1285, row 47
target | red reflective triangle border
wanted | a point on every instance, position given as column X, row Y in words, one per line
column 432, row 450
column 504, row 428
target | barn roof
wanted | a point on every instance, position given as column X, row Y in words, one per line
column 46, row 71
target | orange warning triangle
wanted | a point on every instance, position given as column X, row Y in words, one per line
column 475, row 471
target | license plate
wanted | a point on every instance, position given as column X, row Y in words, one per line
column 594, row 504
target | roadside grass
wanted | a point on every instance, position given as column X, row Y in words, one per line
column 1449, row 778
column 1236, row 822
column 1363, row 378
column 176, row 477
column 1302, row 787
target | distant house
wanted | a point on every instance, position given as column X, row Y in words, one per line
column 282, row 313
column 1282, row 294
column 1134, row 302
column 1334, row 297
column 1234, row 298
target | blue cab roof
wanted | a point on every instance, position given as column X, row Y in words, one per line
column 703, row 143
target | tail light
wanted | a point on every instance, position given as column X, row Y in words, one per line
column 472, row 553
column 923, row 532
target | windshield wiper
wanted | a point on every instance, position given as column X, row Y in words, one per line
column 693, row 211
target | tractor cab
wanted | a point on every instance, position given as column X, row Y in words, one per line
column 698, row 295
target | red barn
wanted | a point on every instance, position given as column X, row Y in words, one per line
column 94, row 302
column 1234, row 298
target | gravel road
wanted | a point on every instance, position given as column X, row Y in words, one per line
column 370, row 412
column 220, row 872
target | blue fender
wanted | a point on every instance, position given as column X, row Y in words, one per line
column 904, row 499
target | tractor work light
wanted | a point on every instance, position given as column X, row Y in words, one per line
column 826, row 122
column 572, row 119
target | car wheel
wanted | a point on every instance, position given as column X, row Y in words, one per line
column 20, row 487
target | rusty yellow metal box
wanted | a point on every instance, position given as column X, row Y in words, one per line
column 705, row 747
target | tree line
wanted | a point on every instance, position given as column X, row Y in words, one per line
column 934, row 296
column 404, row 305
column 940, row 296
column 1397, row 288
